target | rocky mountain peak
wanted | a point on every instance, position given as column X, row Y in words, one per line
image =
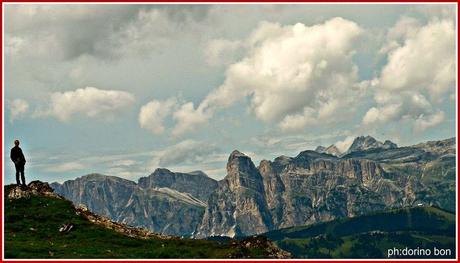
column 241, row 171
column 363, row 143
column 236, row 154
column 161, row 171
column 238, row 161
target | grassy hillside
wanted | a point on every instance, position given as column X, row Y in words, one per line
column 32, row 231
column 371, row 236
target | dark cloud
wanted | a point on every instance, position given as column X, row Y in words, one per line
column 76, row 30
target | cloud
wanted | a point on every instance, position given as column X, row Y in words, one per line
column 18, row 108
column 344, row 144
column 188, row 151
column 152, row 114
column 66, row 167
column 222, row 51
column 110, row 31
column 124, row 162
column 424, row 61
column 187, row 119
column 425, row 122
column 89, row 101
column 295, row 75
column 419, row 75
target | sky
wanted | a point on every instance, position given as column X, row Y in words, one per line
column 122, row 89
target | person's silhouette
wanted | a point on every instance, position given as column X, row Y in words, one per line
column 19, row 161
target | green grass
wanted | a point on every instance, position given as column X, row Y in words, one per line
column 32, row 232
column 370, row 236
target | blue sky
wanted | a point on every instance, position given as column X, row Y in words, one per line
column 124, row 89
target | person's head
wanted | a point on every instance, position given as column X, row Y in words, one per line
column 16, row 142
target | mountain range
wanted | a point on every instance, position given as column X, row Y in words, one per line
column 312, row 187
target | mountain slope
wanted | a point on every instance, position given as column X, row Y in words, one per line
column 371, row 236
column 34, row 217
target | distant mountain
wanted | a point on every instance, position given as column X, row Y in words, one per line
column 332, row 149
column 165, row 202
column 371, row 236
column 362, row 143
column 309, row 188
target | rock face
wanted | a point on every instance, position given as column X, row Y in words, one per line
column 238, row 206
column 160, row 202
column 312, row 187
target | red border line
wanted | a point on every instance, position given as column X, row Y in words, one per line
column 210, row 2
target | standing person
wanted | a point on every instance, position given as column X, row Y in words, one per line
column 19, row 161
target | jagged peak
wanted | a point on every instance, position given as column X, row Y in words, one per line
column 236, row 154
column 369, row 142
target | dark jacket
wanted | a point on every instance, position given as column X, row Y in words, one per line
column 17, row 156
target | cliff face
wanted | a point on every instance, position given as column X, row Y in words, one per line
column 238, row 206
column 288, row 191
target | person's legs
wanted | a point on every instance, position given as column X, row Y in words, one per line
column 23, row 178
column 17, row 174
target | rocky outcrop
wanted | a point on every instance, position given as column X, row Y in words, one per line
column 238, row 206
column 34, row 188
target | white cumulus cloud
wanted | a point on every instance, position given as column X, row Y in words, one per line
column 419, row 76
column 89, row 101
column 152, row 114
column 294, row 75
